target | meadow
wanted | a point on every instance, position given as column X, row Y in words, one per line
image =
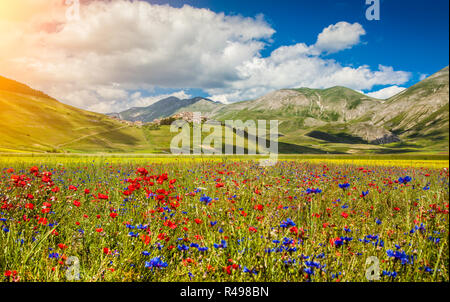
column 93, row 218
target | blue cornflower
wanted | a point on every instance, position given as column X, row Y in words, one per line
column 312, row 264
column 401, row 255
column 205, row 199
column 288, row 241
column 434, row 239
column 156, row 262
column 426, row 269
column 338, row 242
column 344, row 186
column 391, row 274
column 222, row 245
column 313, row 191
column 404, row 180
column 183, row 247
column 246, row 270
column 287, row 223
column 53, row 255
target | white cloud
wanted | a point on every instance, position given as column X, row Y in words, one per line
column 339, row 36
column 121, row 46
column 108, row 100
column 423, row 76
column 138, row 45
column 262, row 75
column 386, row 93
column 139, row 101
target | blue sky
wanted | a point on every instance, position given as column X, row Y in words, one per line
column 411, row 35
column 118, row 54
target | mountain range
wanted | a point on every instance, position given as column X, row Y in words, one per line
column 333, row 120
column 165, row 108
column 336, row 117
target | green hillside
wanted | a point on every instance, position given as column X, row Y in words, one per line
column 303, row 107
column 420, row 114
column 32, row 121
column 341, row 120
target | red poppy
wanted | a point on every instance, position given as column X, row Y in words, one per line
column 102, row 196
column 259, row 207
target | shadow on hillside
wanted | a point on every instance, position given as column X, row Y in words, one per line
column 340, row 138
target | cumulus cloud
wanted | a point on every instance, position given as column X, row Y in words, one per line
column 386, row 93
column 140, row 101
column 423, row 76
column 339, row 36
column 118, row 47
column 262, row 75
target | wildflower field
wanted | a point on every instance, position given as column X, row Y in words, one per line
column 222, row 219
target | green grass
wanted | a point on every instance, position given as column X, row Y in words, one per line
column 33, row 123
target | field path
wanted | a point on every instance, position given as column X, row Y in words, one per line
column 86, row 136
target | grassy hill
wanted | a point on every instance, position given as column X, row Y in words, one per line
column 32, row 121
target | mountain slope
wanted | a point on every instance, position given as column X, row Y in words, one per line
column 308, row 106
column 341, row 119
column 419, row 114
column 165, row 108
column 32, row 121
column 317, row 118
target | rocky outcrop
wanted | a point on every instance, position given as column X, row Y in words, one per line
column 386, row 139
column 373, row 134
